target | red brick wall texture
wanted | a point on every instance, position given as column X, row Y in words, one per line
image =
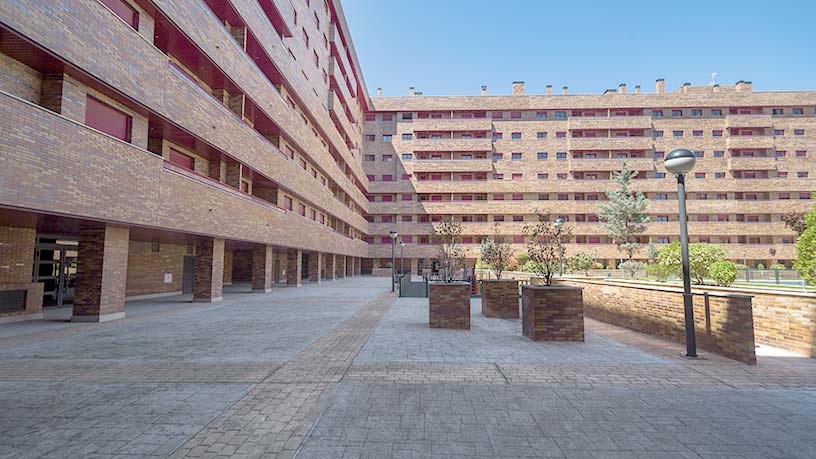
column 553, row 313
column 449, row 305
column 723, row 322
column 500, row 298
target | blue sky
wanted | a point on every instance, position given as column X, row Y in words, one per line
column 452, row 47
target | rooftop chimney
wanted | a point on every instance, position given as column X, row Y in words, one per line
column 484, row 90
column 549, row 89
column 379, row 92
column 660, row 86
column 411, row 91
column 715, row 88
column 637, row 89
column 622, row 88
column 566, row 90
column 743, row 86
column 518, row 88
column 686, row 87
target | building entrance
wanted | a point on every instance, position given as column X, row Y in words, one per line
column 55, row 265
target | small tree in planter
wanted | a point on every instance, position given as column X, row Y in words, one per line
column 500, row 296
column 581, row 261
column 449, row 301
column 544, row 248
column 550, row 313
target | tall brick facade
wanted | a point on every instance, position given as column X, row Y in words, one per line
column 101, row 272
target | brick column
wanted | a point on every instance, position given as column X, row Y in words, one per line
column 315, row 263
column 294, row 264
column 358, row 266
column 101, row 273
column 340, row 261
column 349, row 262
column 331, row 266
column 208, row 270
column 262, row 258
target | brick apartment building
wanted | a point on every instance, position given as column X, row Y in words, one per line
column 486, row 159
column 162, row 146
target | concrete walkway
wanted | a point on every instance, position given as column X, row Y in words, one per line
column 345, row 369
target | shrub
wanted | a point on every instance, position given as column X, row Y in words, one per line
column 777, row 266
column 741, row 266
column 701, row 257
column 597, row 265
column 631, row 267
column 724, row 273
column 522, row 258
column 659, row 271
column 581, row 261
column 530, row 267
column 760, row 266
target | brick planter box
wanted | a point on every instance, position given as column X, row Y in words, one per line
column 554, row 313
column 500, row 298
column 449, row 305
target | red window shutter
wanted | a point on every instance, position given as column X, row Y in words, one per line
column 124, row 11
column 180, row 159
column 107, row 119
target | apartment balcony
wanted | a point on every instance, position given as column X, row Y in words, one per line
column 338, row 114
column 750, row 142
column 610, row 143
column 339, row 52
column 437, row 125
column 610, row 122
column 452, row 145
column 752, row 163
column 610, row 164
column 336, row 73
column 452, row 165
column 748, row 121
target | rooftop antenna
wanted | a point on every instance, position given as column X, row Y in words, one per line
column 713, row 79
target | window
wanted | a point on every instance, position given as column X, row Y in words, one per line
column 517, row 176
column 781, row 175
column 799, row 132
column 407, row 115
column 563, row 197
column 518, row 197
column 676, row 113
column 784, row 196
column 388, row 117
column 677, row 134
column 560, row 115
column 802, row 174
column 781, row 154
column 498, row 176
column 696, row 133
column 407, row 197
column 719, row 154
column 541, row 155
column 798, row 111
column 497, row 136
column 515, row 156
column 719, row 175
column 370, row 117
column 561, row 176
column 716, row 112
column 180, row 159
column 657, row 134
column 518, row 218
column 778, row 132
column 497, row 115
column 543, row 176
column 560, row 135
column 661, row 197
column 660, row 175
column 515, row 115
column 369, row 158
column 561, row 155
column 515, row 135
column 408, row 239
column 497, row 156
column 804, row 195
column 778, row 111
column 498, row 197
column 699, row 154
column 124, row 11
column 406, row 176
column 696, row 112
column 370, row 178
column 541, row 115
column 386, row 137
column 541, row 135
column 387, row 178
column 302, row 209
column 801, row 154
column 699, row 175
column 370, row 137
column 659, row 154
column 662, row 218
column 657, row 113
column 107, row 119
column 543, row 197
column 407, row 156
column 717, row 133
column 406, row 137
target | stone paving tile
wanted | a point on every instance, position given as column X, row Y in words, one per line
column 425, row 373
column 533, row 421
column 404, row 336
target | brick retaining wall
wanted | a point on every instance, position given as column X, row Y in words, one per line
column 723, row 321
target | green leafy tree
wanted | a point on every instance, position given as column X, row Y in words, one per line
column 724, row 273
column 448, row 235
column 805, row 261
column 631, row 267
column 623, row 215
column 701, row 257
column 659, row 271
column 760, row 266
column 497, row 252
column 795, row 221
column 777, row 266
column 581, row 261
column 522, row 258
column 651, row 252
column 544, row 248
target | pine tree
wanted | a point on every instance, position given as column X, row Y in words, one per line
column 623, row 214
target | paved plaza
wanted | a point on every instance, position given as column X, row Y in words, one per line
column 346, row 369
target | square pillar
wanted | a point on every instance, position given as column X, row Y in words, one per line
column 331, row 266
column 314, row 261
column 349, row 262
column 341, row 266
column 101, row 273
column 262, row 258
column 294, row 265
column 208, row 270
column 358, row 266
